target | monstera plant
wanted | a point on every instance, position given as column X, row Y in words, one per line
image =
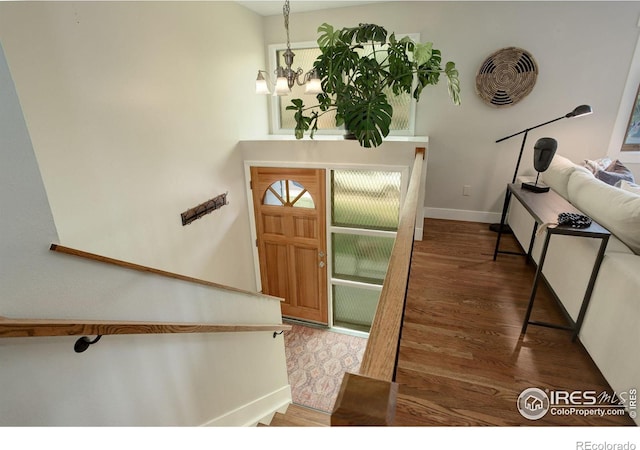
column 359, row 68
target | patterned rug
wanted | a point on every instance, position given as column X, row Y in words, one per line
column 316, row 362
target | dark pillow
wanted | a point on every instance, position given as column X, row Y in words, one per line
column 615, row 173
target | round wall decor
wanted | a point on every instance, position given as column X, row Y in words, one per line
column 506, row 77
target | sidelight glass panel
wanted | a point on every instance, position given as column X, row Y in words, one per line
column 361, row 258
column 365, row 199
column 354, row 307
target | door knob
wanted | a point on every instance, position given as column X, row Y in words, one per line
column 321, row 254
column 321, row 263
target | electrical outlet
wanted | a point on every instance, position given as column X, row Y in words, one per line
column 466, row 190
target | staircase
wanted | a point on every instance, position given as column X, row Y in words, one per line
column 300, row 416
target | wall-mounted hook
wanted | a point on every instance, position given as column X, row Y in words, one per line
column 204, row 208
column 275, row 333
column 83, row 343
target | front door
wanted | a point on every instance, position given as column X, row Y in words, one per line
column 289, row 207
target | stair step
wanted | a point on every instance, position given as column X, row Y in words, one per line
column 300, row 416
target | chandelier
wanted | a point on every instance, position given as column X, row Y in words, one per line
column 286, row 77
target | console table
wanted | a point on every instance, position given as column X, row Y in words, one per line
column 544, row 208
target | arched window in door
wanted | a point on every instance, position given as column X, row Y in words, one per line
column 288, row 193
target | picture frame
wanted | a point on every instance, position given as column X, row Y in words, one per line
column 631, row 141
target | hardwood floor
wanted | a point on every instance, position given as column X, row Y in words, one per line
column 462, row 360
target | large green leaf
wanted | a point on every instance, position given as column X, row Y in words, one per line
column 422, row 52
column 401, row 67
column 327, row 36
column 333, row 64
column 365, row 32
column 453, row 83
column 369, row 120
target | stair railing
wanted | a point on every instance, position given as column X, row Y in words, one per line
column 16, row 327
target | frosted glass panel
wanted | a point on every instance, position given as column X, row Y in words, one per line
column 304, row 58
column 365, row 199
column 361, row 258
column 354, row 307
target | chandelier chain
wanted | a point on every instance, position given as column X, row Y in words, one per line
column 285, row 13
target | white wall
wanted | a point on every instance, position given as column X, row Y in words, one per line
column 134, row 110
column 143, row 380
column 583, row 50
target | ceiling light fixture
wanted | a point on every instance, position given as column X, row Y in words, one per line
column 286, row 77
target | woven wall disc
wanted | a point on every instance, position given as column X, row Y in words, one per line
column 506, row 77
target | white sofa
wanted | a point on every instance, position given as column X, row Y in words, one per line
column 611, row 328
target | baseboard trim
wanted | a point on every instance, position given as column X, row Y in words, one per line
column 461, row 214
column 260, row 410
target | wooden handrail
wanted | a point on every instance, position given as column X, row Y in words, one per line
column 68, row 327
column 127, row 265
column 369, row 398
column 72, row 327
column 379, row 359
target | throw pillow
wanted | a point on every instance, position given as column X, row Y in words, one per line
column 614, row 173
column 597, row 164
column 629, row 187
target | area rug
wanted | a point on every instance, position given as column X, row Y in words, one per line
column 316, row 362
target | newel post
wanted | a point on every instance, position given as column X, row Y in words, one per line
column 365, row 401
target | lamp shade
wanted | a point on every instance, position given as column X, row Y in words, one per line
column 282, row 86
column 313, row 86
column 581, row 110
column 313, row 83
column 261, row 84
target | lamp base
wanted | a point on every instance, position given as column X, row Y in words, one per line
column 534, row 187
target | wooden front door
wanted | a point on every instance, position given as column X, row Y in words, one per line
column 289, row 206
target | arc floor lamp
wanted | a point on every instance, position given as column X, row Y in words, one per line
column 578, row 111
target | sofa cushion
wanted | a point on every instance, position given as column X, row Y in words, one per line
column 613, row 208
column 629, row 187
column 558, row 173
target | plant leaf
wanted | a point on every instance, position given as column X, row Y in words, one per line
column 453, row 82
column 369, row 120
column 327, row 35
column 422, row 52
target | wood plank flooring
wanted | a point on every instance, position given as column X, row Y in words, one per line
column 462, row 360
